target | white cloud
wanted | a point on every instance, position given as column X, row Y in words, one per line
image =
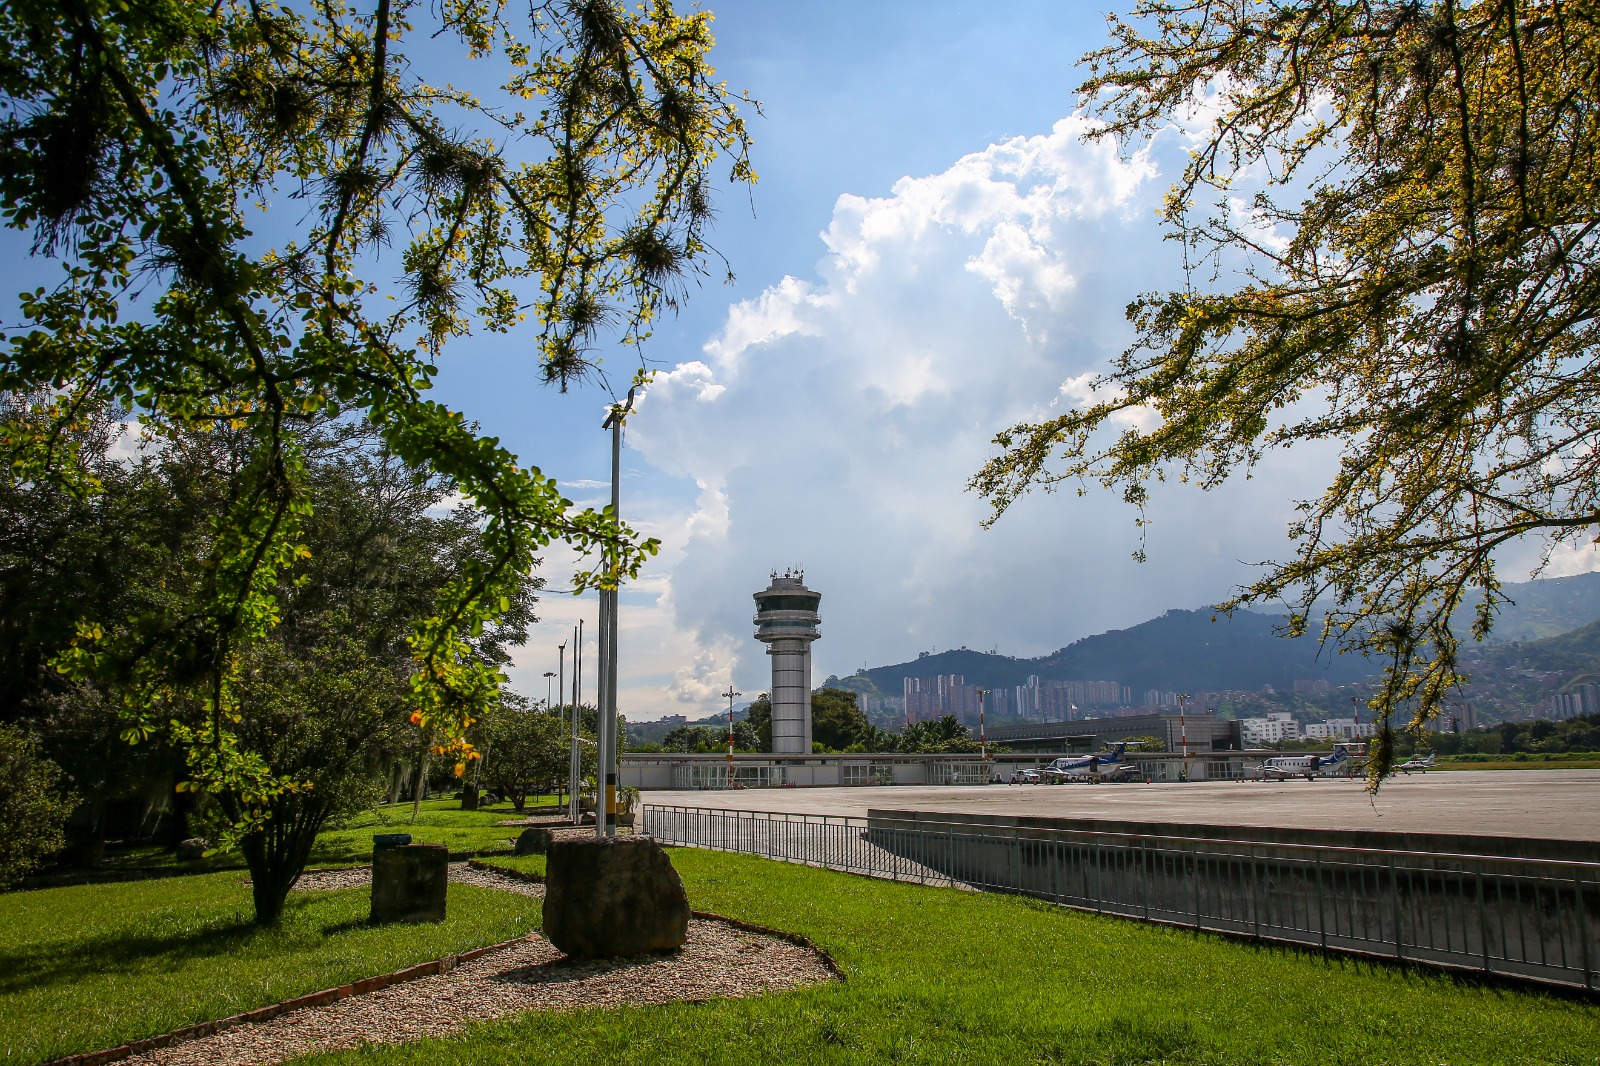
column 833, row 423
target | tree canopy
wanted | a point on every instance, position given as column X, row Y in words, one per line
column 1408, row 194
column 263, row 212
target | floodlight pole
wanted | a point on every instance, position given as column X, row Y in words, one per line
column 605, row 820
column 730, row 694
column 1183, row 731
column 561, row 687
column 575, row 757
column 983, row 740
column 548, row 674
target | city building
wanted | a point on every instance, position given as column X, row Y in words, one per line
column 1583, row 699
column 1340, row 729
column 786, row 622
column 1275, row 727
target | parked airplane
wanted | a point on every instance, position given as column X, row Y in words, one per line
column 1082, row 768
column 1421, row 764
column 1283, row 767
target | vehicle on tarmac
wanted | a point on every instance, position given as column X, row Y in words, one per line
column 1086, row 767
column 1310, row 767
column 1420, row 764
column 1026, row 777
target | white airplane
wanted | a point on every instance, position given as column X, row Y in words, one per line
column 1104, row 764
column 1283, row 767
column 1420, row 764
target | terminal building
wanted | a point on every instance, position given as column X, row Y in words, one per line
column 1214, row 751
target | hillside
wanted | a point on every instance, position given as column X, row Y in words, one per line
column 1577, row 652
column 1540, row 609
column 1181, row 650
column 1187, row 650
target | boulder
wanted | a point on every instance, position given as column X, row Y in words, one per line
column 535, row 841
column 614, row 896
column 409, row 883
column 192, row 850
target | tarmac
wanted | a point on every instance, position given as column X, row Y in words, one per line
column 1546, row 804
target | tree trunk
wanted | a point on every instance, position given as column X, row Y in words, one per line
column 277, row 852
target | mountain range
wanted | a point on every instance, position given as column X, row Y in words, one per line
column 1202, row 651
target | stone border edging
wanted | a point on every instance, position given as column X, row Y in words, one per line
column 782, row 934
column 373, row 984
column 274, row 1010
column 738, row 923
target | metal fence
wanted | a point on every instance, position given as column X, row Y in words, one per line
column 1533, row 919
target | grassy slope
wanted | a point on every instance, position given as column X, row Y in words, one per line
column 93, row 966
column 941, row 976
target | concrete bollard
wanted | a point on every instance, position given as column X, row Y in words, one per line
column 409, row 883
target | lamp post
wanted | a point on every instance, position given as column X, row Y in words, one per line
column 730, row 694
column 548, row 674
column 983, row 740
column 561, row 687
column 605, row 821
column 1183, row 731
column 575, row 763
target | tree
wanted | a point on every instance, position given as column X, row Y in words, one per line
column 836, row 719
column 323, row 699
column 1415, row 284
column 149, row 148
column 32, row 810
column 523, row 749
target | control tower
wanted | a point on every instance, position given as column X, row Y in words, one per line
column 786, row 622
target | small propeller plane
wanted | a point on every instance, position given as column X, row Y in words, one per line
column 1283, row 767
column 1420, row 764
column 1104, row 764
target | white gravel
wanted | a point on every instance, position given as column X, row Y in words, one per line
column 717, row 961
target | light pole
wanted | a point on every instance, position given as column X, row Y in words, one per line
column 1183, row 731
column 561, row 687
column 605, row 822
column 983, row 740
column 548, row 674
column 730, row 694
column 575, row 765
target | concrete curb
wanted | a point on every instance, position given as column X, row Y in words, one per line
column 265, row 1014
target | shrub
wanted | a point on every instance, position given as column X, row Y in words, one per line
column 32, row 808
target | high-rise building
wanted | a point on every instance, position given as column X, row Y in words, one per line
column 786, row 622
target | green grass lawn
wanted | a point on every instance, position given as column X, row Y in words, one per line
column 1522, row 760
column 943, row 976
column 93, row 966
column 440, row 821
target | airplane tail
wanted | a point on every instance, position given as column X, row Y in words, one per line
column 1340, row 754
column 1116, row 752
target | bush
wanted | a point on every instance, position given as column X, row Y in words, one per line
column 32, row 810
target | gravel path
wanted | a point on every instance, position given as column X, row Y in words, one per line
column 717, row 961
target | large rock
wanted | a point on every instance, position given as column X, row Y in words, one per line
column 534, row 841
column 613, row 896
column 409, row 883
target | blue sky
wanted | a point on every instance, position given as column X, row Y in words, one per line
column 932, row 253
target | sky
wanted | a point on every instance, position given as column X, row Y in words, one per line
column 932, row 253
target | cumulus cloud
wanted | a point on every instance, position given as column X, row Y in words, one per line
column 834, row 420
